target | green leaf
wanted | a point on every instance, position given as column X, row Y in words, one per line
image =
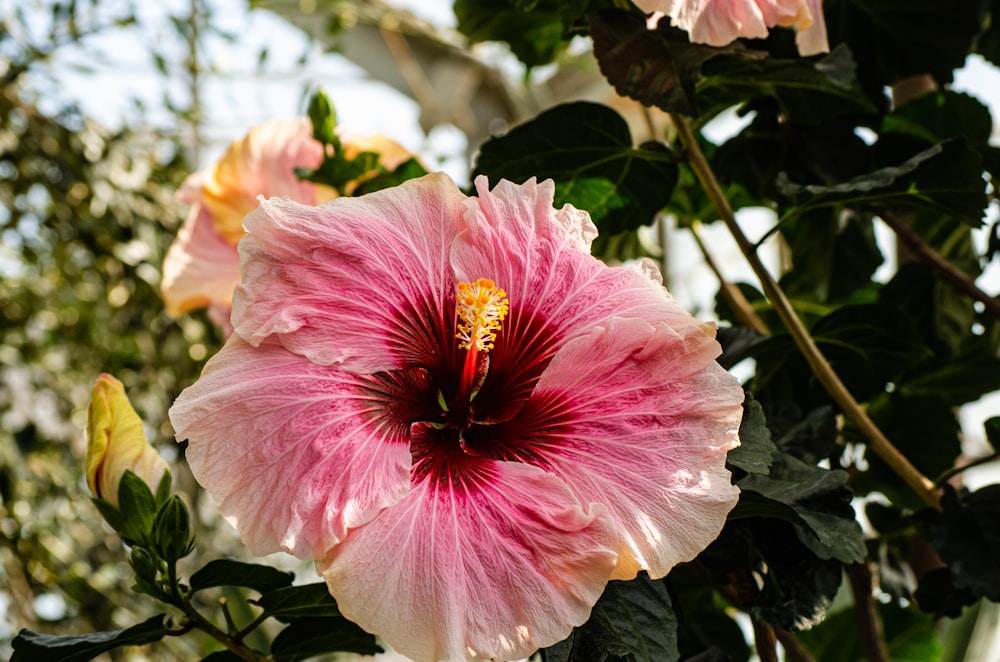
column 946, row 178
column 632, row 620
column 138, row 508
column 294, row 602
column 307, row 637
column 909, row 635
column 223, row 572
column 992, row 426
column 808, row 91
column 409, row 169
column 534, row 30
column 756, row 450
column 587, row 149
column 656, row 67
column 925, row 429
column 833, row 254
column 702, row 622
column 222, row 656
column 810, row 439
column 937, row 116
column 973, row 373
column 966, row 534
column 163, row 488
column 868, row 345
column 33, row 647
column 895, row 39
column 816, row 500
column 111, row 515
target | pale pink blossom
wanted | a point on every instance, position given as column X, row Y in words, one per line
column 201, row 267
column 719, row 22
column 465, row 419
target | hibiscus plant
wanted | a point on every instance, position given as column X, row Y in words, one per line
column 491, row 430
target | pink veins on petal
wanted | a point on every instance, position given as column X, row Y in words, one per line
column 465, row 419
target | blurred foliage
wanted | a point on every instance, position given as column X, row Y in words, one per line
column 86, row 214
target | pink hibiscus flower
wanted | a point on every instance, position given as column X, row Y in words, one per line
column 719, row 22
column 202, row 267
column 465, row 419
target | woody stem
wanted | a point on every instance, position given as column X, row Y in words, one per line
column 817, row 362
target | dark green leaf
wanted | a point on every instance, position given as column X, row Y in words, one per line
column 925, row 429
column 409, row 169
column 816, row 500
column 895, row 39
column 974, row 372
column 966, row 534
column 222, row 656
column 808, row 91
column 935, row 117
column 137, row 506
column 534, row 30
column 992, row 426
column 587, row 149
column 307, row 637
column 223, row 572
column 756, row 450
column 33, row 647
column 946, row 178
column 163, row 488
column 656, row 67
column 111, row 515
column 909, row 635
column 632, row 620
column 812, row 439
column 702, row 622
column 833, row 254
column 293, row 602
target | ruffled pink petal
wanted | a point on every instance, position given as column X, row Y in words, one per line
column 495, row 561
column 200, row 268
column 639, row 418
column 361, row 282
column 296, row 453
column 555, row 288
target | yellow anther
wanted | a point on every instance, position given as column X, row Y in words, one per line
column 481, row 307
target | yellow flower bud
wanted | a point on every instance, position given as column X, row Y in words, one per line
column 116, row 443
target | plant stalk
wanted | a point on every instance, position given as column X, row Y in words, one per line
column 817, row 362
column 955, row 277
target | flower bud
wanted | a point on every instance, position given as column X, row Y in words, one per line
column 116, row 443
column 172, row 530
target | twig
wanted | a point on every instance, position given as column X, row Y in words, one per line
column 817, row 362
column 730, row 292
column 794, row 651
column 951, row 274
column 866, row 613
column 764, row 641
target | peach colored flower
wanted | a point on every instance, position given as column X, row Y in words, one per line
column 116, row 443
column 719, row 22
column 202, row 266
column 465, row 419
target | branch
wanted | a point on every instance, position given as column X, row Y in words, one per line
column 730, row 292
column 955, row 277
column 817, row 362
column 764, row 641
column 866, row 613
